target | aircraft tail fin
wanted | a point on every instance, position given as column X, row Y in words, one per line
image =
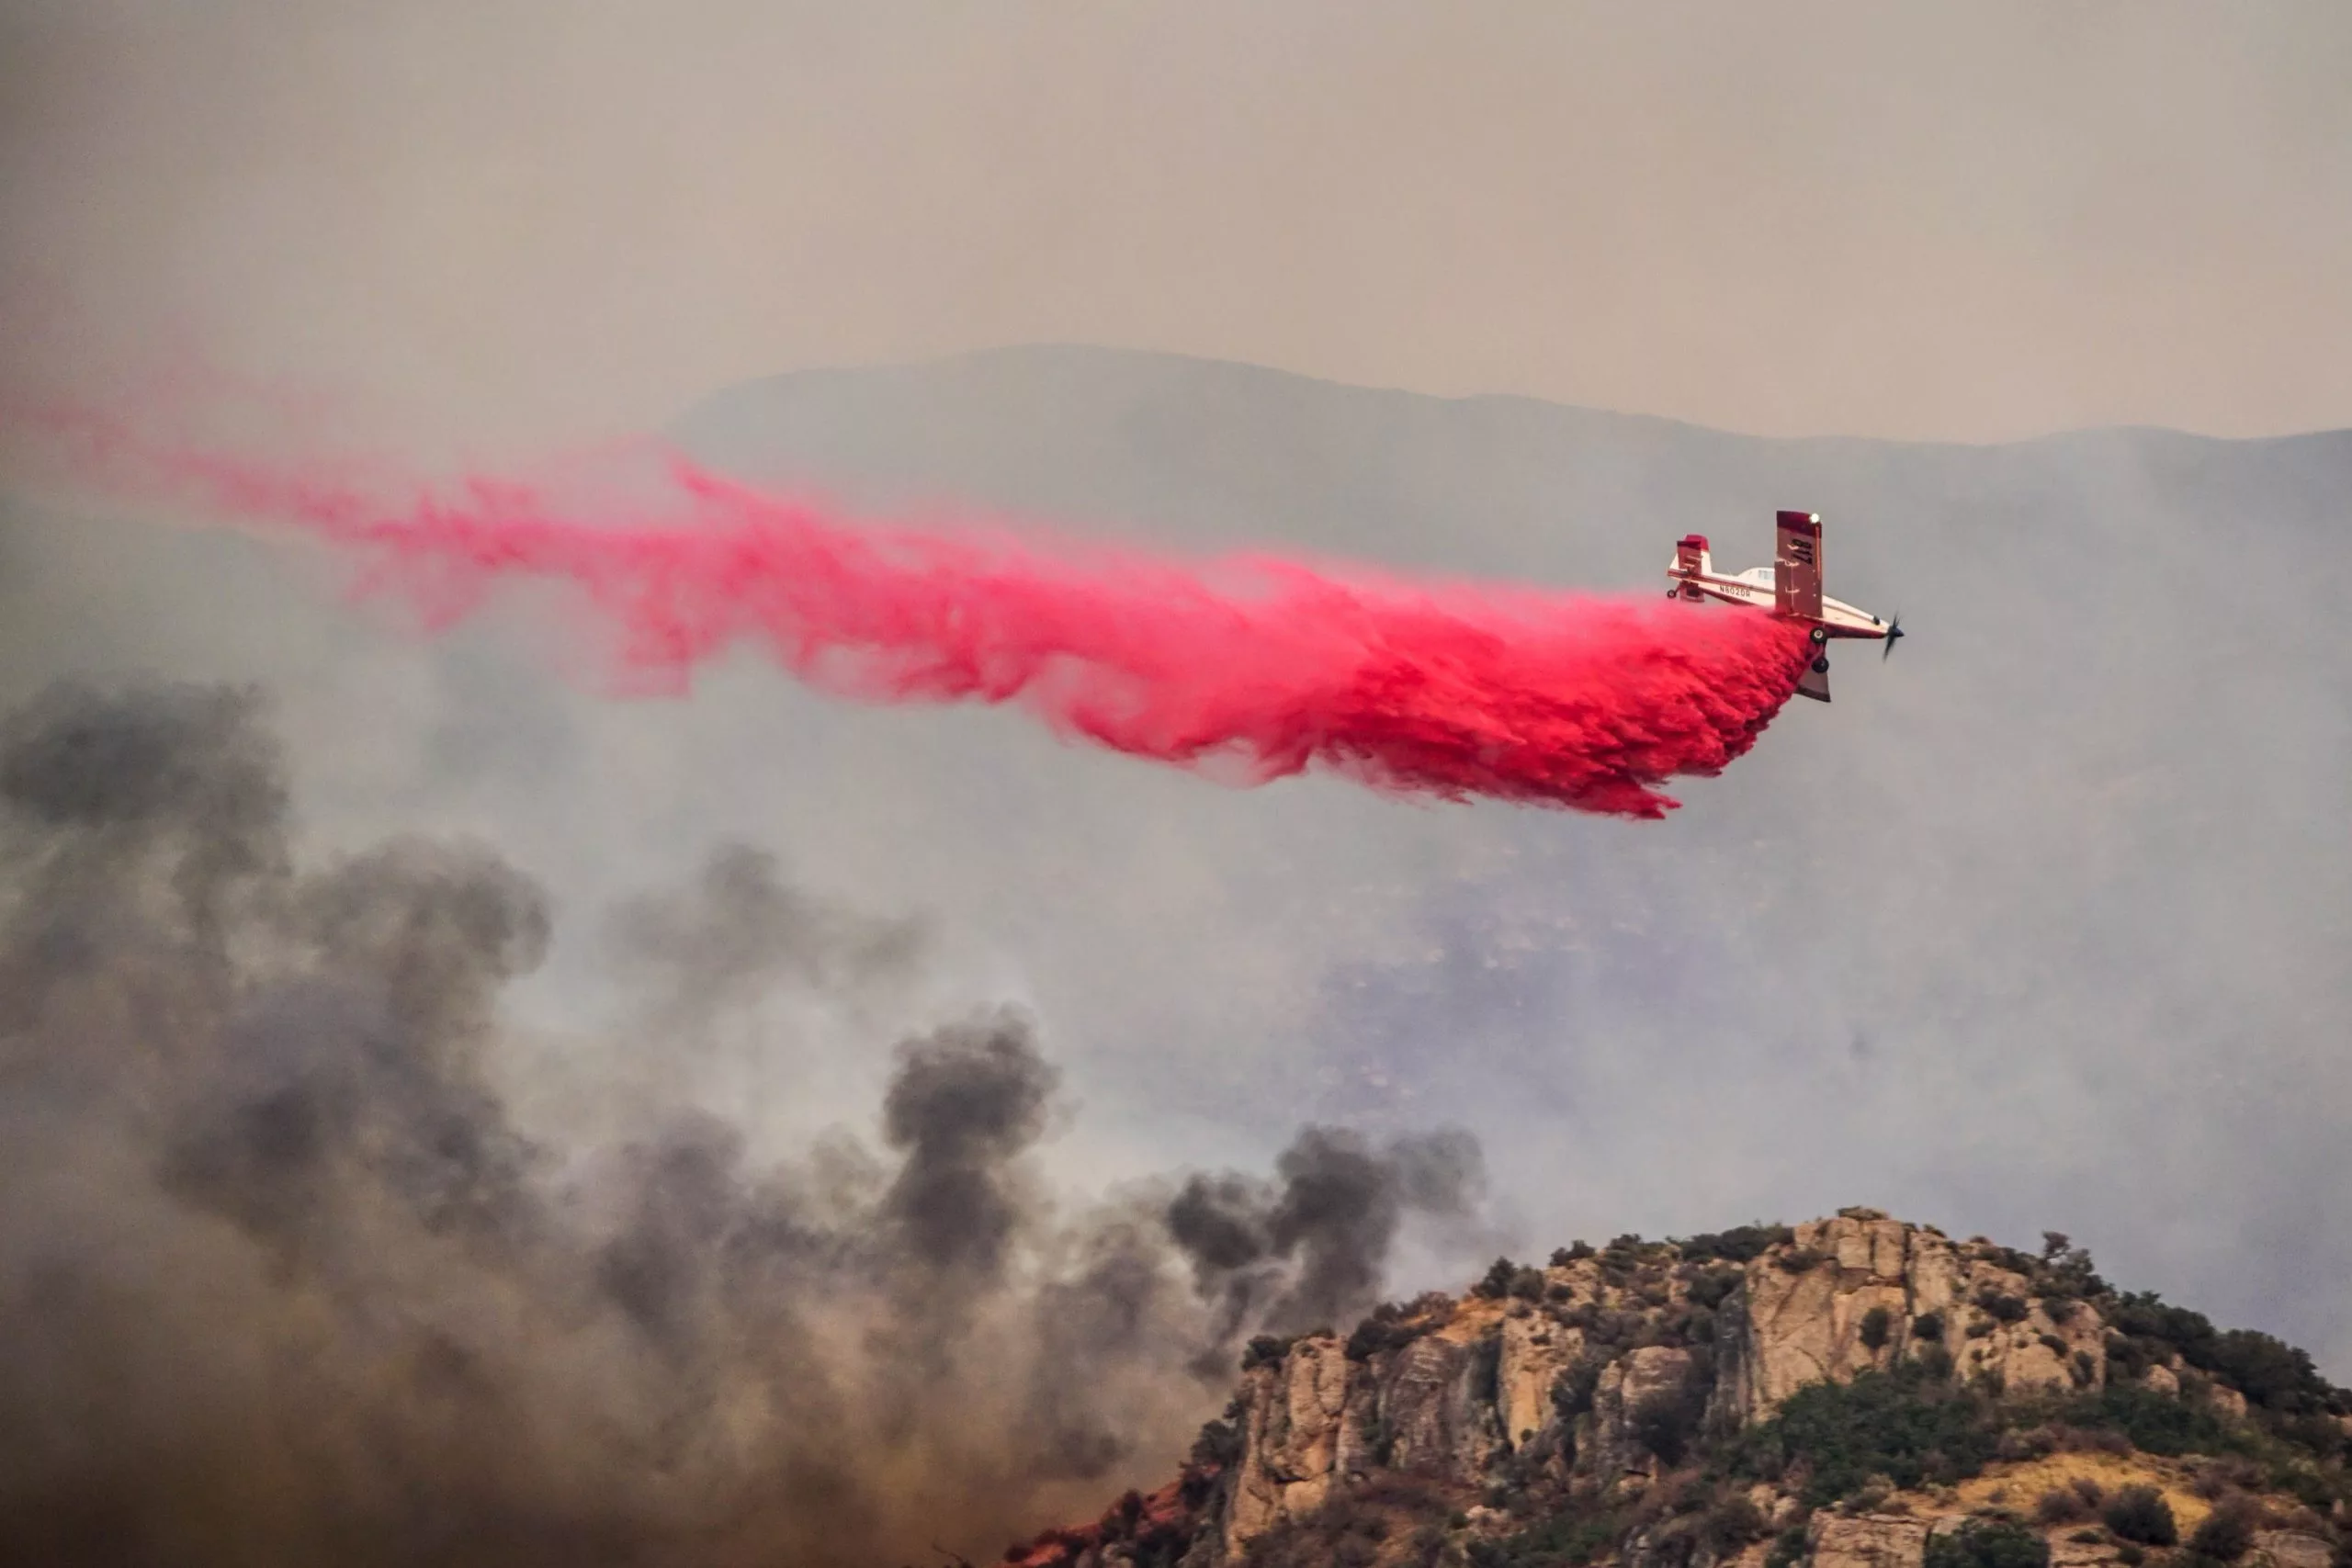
column 1691, row 560
column 1796, row 569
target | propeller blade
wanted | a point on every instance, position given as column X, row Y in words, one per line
column 1894, row 631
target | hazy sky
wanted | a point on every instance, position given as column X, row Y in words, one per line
column 542, row 218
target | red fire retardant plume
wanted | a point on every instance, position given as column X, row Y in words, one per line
column 1251, row 665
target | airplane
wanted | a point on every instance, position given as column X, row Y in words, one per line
column 1790, row 589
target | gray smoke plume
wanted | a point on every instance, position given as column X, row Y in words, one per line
column 1309, row 1252
column 965, row 1102
column 282, row 1280
column 743, row 931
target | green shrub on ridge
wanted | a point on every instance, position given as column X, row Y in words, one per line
column 1903, row 1424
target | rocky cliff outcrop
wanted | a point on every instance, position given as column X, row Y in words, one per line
column 1297, row 1438
column 1862, row 1291
column 1867, row 1540
column 1630, row 1394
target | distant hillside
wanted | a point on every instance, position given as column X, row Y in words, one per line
column 1211, row 453
column 1854, row 1393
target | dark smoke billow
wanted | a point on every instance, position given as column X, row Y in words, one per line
column 1308, row 1250
column 281, row 1280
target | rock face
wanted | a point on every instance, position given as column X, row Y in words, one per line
column 1807, row 1304
column 1427, row 1409
column 1863, row 1290
column 1536, row 1350
column 1593, row 1376
column 2292, row 1549
column 1634, row 1400
column 1868, row 1540
column 1294, row 1438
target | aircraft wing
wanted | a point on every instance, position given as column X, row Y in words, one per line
column 1796, row 567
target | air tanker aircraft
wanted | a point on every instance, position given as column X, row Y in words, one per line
column 1789, row 588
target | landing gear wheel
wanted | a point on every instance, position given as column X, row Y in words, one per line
column 1820, row 633
column 1821, row 667
column 1674, row 593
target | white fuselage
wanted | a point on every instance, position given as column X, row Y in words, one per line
column 1753, row 588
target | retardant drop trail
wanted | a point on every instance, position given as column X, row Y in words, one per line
column 1255, row 666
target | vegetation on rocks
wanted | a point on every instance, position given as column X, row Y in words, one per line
column 1987, row 1543
column 1832, row 1439
column 2141, row 1514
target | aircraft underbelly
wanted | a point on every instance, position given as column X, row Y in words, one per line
column 1838, row 618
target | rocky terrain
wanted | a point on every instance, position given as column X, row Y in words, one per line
column 1852, row 1393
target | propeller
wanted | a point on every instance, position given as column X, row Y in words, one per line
column 1894, row 631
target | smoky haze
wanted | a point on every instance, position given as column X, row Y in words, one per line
column 2038, row 926
column 283, row 1279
